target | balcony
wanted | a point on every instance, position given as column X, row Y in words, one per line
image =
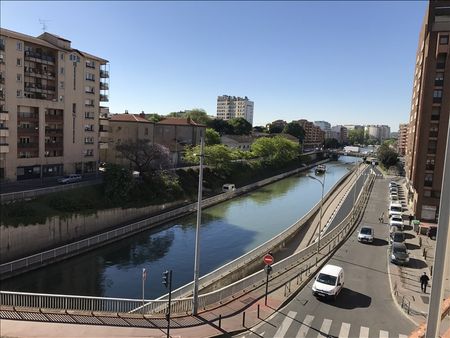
column 2, row 80
column 4, row 116
column 54, row 131
column 2, row 96
column 104, row 86
column 104, row 98
column 4, row 148
column 104, row 134
column 104, row 74
column 38, row 88
column 54, row 118
column 31, row 145
column 23, row 116
column 2, row 46
column 21, row 131
column 91, row 91
column 4, row 132
column 39, row 74
column 37, row 57
column 54, row 145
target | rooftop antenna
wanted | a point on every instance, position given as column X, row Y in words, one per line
column 44, row 24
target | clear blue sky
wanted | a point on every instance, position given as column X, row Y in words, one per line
column 344, row 62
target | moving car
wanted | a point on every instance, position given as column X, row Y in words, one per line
column 398, row 254
column 328, row 282
column 397, row 221
column 365, row 234
column 72, row 178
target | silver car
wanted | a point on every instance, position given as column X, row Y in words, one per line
column 366, row 234
column 72, row 178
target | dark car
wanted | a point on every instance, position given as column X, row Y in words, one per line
column 397, row 237
column 432, row 232
column 398, row 254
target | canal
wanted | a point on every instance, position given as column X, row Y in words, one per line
column 228, row 231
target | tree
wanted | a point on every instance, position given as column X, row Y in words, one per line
column 275, row 129
column 211, row 137
column 331, row 143
column 296, row 130
column 260, row 129
column 275, row 149
column 387, row 156
column 117, row 182
column 221, row 126
column 240, row 126
column 144, row 156
column 356, row 136
column 197, row 115
column 154, row 117
column 218, row 155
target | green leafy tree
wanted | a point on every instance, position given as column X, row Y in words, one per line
column 275, row 129
column 221, row 126
column 260, row 129
column 387, row 156
column 154, row 117
column 296, row 130
column 144, row 156
column 211, row 137
column 275, row 148
column 217, row 155
column 240, row 126
column 197, row 115
column 117, row 182
column 356, row 136
column 331, row 143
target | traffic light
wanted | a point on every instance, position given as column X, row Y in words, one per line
column 166, row 278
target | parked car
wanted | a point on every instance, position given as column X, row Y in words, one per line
column 328, row 282
column 398, row 254
column 366, row 234
column 395, row 208
column 72, row 178
column 397, row 237
column 432, row 232
column 393, row 189
column 392, row 184
column 394, row 198
column 397, row 221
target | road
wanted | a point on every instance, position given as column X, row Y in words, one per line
column 365, row 307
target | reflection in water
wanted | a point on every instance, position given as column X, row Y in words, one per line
column 228, row 230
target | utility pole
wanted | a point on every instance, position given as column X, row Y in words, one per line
column 167, row 281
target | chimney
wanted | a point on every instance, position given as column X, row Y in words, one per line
column 142, row 114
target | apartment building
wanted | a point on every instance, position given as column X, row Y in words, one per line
column 50, row 95
column 230, row 107
column 429, row 117
column 324, row 125
column 378, row 132
column 314, row 136
column 341, row 133
column 402, row 139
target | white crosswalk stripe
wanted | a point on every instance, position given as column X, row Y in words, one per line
column 325, row 328
column 345, row 330
column 364, row 332
column 384, row 334
column 281, row 332
column 305, row 327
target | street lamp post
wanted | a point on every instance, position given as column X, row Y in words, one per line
column 197, row 231
column 322, row 183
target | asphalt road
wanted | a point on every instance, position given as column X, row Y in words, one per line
column 364, row 308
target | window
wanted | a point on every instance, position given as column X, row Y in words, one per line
column 89, row 102
column 61, row 70
column 19, row 46
column 427, row 193
column 437, row 96
column 430, row 164
column 439, row 79
column 90, row 64
column 146, row 131
column 434, row 130
column 61, row 98
column 61, row 84
column 89, row 115
column 428, row 180
column 89, row 89
column 435, row 113
column 90, row 77
column 19, row 62
column 440, row 61
column 432, row 147
column 19, row 93
column 443, row 40
column 19, row 77
column 62, row 56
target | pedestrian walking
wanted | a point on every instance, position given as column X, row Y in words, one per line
column 381, row 219
column 424, row 282
column 411, row 217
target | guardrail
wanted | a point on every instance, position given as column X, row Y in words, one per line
column 34, row 261
column 184, row 305
column 27, row 194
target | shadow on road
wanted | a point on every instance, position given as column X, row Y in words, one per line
column 411, row 246
column 379, row 242
column 349, row 299
column 409, row 236
column 417, row 264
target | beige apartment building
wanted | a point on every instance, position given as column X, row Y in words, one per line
column 429, row 117
column 173, row 133
column 402, row 139
column 314, row 136
column 50, row 95
column 230, row 107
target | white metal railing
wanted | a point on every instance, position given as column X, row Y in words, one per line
column 81, row 303
column 38, row 259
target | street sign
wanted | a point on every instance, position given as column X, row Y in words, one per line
column 268, row 259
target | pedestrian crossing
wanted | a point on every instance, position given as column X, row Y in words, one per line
column 292, row 326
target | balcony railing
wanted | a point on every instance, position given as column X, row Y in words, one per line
column 54, row 145
column 38, row 87
column 4, row 148
column 50, row 117
column 38, row 56
column 104, row 98
column 27, row 145
column 27, row 115
column 46, row 75
column 104, row 74
column 104, row 86
column 54, row 131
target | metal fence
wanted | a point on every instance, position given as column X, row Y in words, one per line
column 183, row 305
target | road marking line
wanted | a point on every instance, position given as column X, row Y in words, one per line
column 281, row 332
column 364, row 332
column 345, row 330
column 325, row 328
column 384, row 334
column 305, row 327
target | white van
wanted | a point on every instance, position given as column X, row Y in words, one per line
column 328, row 282
column 395, row 208
column 227, row 187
